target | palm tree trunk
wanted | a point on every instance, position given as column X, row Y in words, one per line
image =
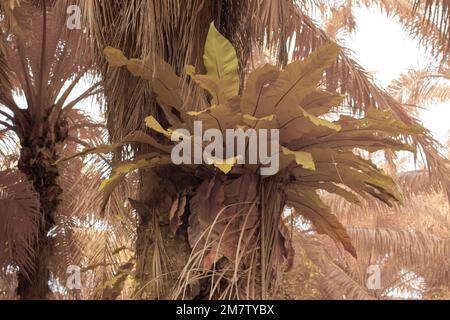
column 156, row 192
column 160, row 254
column 38, row 155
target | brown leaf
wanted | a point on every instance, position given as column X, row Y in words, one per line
column 310, row 206
column 222, row 209
column 177, row 211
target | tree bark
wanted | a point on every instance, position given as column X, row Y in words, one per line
column 38, row 154
column 157, row 192
column 159, row 189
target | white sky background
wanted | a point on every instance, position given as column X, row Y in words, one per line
column 385, row 49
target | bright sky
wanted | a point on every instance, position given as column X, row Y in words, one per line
column 383, row 48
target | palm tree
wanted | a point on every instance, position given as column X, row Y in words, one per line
column 42, row 61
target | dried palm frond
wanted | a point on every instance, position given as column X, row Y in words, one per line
column 140, row 28
column 5, row 76
column 416, row 182
column 336, row 281
column 437, row 13
column 98, row 242
column 409, row 243
column 419, row 87
column 19, row 218
column 395, row 251
column 408, row 247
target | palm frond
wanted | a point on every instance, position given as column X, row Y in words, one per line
column 437, row 13
column 421, row 87
column 18, row 220
column 336, row 281
column 412, row 248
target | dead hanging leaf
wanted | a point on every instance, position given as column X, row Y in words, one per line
column 308, row 204
column 285, row 247
column 221, row 210
column 177, row 211
column 208, row 200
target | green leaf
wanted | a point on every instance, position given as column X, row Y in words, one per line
column 152, row 123
column 304, row 159
column 115, row 57
column 223, row 165
column 163, row 80
column 221, row 63
column 320, row 122
column 221, row 79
